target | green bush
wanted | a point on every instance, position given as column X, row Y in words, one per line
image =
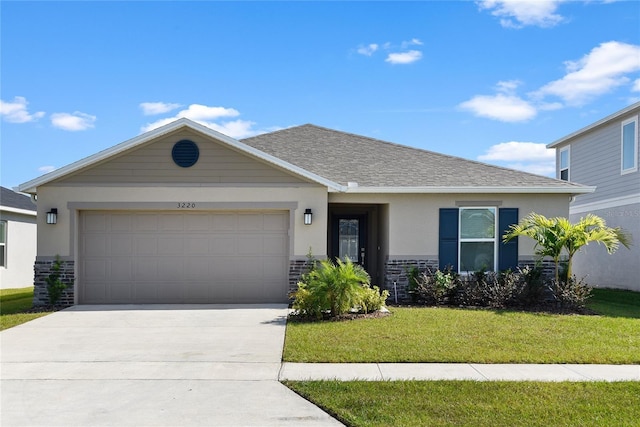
column 336, row 288
column 572, row 294
column 55, row 286
column 438, row 288
column 373, row 299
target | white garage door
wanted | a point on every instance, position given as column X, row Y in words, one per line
column 177, row 257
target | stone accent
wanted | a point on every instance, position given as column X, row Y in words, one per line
column 297, row 267
column 42, row 270
column 396, row 275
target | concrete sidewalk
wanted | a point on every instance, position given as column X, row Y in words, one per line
column 457, row 371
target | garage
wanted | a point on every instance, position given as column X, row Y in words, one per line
column 183, row 257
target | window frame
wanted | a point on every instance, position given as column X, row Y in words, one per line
column 493, row 240
column 567, row 150
column 3, row 243
column 633, row 168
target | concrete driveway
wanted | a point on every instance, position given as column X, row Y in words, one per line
column 151, row 365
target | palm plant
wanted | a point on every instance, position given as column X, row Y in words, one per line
column 553, row 236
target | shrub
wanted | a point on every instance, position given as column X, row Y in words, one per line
column 438, row 288
column 572, row 294
column 373, row 299
column 335, row 288
column 55, row 286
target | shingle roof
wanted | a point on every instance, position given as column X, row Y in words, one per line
column 11, row 199
column 345, row 157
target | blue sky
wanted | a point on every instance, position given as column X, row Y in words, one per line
column 493, row 80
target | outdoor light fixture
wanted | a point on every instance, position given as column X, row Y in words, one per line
column 307, row 217
column 52, row 216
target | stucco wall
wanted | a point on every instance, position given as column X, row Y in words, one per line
column 21, row 250
column 60, row 239
column 413, row 218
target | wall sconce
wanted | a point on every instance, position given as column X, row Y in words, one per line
column 52, row 216
column 307, row 217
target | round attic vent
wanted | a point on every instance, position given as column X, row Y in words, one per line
column 185, row 153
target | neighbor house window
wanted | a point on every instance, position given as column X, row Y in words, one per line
column 477, row 239
column 630, row 145
column 564, row 164
column 3, row 243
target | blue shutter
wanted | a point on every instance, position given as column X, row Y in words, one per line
column 507, row 252
column 448, row 239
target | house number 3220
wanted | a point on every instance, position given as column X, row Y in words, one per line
column 186, row 205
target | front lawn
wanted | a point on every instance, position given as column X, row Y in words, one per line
column 439, row 334
column 14, row 307
column 469, row 403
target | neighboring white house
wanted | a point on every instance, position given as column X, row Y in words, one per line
column 184, row 214
column 605, row 155
column 17, row 239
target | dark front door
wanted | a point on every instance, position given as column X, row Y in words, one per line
column 349, row 238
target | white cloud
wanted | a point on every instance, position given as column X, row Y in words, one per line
column 211, row 118
column 636, row 86
column 600, row 71
column 404, row 57
column 16, row 111
column 522, row 13
column 502, row 107
column 153, row 108
column 519, row 151
column 46, row 169
column 75, row 121
column 368, row 50
column 525, row 156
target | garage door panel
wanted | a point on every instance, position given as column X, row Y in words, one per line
column 146, row 222
column 178, row 257
column 120, row 223
column 223, row 245
column 146, row 245
column 95, row 245
column 121, row 269
column 121, row 244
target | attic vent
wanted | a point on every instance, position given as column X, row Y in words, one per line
column 185, row 153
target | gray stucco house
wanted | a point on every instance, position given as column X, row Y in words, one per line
column 184, row 214
column 17, row 239
column 605, row 155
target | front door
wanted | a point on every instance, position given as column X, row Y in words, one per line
column 349, row 238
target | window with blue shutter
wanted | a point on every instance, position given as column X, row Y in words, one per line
column 478, row 237
column 507, row 252
column 448, row 239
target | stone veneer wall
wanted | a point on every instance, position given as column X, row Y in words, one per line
column 297, row 267
column 396, row 272
column 42, row 270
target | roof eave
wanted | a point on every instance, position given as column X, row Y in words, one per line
column 470, row 190
column 18, row 211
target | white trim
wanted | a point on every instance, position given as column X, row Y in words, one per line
column 574, row 189
column 634, row 168
column 605, row 204
column 594, row 125
column 18, row 211
column 31, row 186
column 566, row 149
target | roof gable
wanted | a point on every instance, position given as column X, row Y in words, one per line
column 140, row 140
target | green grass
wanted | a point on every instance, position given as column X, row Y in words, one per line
column 13, row 305
column 468, row 403
column 476, row 336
